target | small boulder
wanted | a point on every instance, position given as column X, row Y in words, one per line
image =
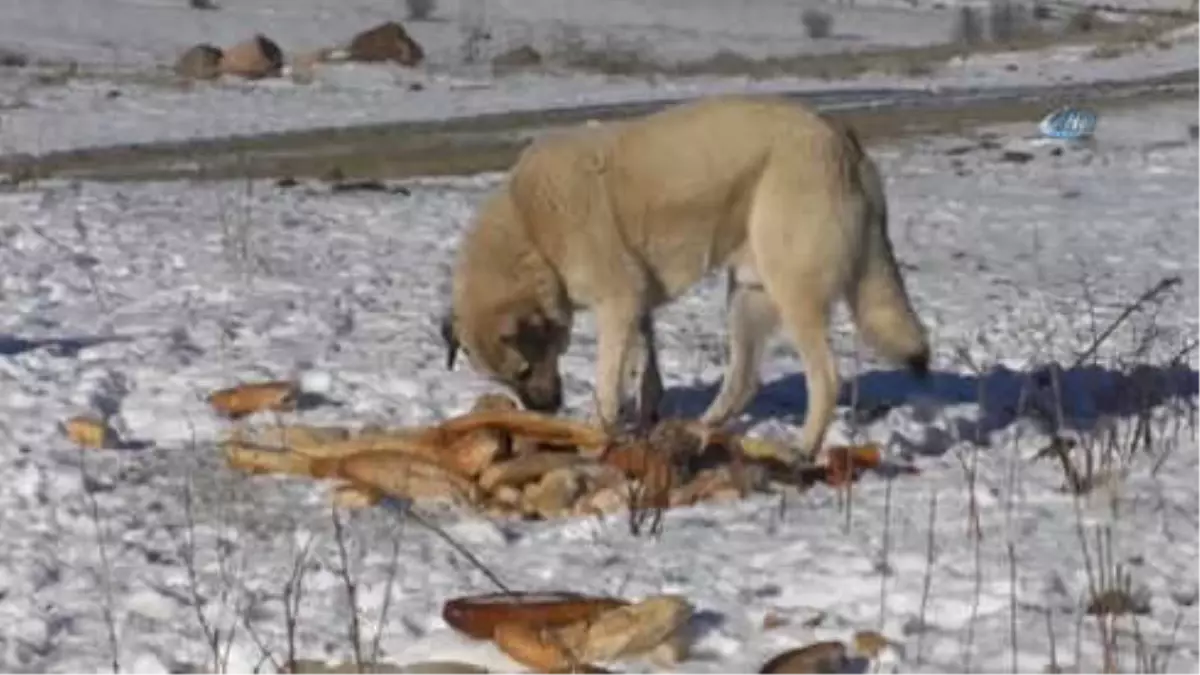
column 10, row 58
column 516, row 58
column 200, row 62
column 386, row 42
column 304, row 65
column 819, row 657
column 253, row 59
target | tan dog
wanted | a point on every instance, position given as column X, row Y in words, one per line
column 625, row 217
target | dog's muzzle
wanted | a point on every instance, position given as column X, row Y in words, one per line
column 541, row 402
column 545, row 399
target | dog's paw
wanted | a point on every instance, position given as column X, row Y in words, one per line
column 801, row 458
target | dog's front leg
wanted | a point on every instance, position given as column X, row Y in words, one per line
column 616, row 331
column 650, row 387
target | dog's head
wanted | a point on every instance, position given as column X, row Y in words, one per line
column 516, row 346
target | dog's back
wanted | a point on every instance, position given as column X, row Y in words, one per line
column 674, row 188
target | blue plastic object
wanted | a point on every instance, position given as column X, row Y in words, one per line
column 1068, row 123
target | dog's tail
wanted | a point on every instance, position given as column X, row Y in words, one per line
column 877, row 296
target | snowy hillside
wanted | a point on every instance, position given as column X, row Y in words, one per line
column 97, row 72
column 138, row 299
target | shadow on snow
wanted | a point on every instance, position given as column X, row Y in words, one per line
column 11, row 345
column 1085, row 394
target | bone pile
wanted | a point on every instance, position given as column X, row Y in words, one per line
column 512, row 463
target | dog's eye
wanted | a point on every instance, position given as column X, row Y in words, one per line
column 524, row 373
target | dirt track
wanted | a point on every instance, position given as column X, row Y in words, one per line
column 490, row 142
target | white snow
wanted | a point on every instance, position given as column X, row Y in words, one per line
column 121, row 90
column 137, row 299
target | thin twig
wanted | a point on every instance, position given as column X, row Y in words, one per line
column 884, row 571
column 348, row 583
column 1012, row 605
column 1053, row 667
column 293, row 593
column 1161, row 287
column 106, row 568
column 927, row 582
column 407, row 510
column 212, row 636
column 393, row 568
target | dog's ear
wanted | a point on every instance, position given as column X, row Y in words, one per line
column 450, row 337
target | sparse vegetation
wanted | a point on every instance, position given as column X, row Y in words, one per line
column 1107, row 51
column 1082, row 21
column 473, row 27
column 818, row 24
column 616, row 56
column 473, row 39
column 968, row 26
column 10, row 58
column 1008, row 21
column 522, row 56
column 420, row 10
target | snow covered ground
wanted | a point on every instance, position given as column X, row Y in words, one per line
column 137, row 299
column 121, row 90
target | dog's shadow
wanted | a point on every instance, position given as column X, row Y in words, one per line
column 1082, row 396
column 69, row 347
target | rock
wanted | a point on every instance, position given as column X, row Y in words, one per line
column 247, row 399
column 441, row 667
column 304, row 65
column 819, row 657
column 90, row 432
column 351, row 497
column 10, row 58
column 494, row 401
column 870, row 644
column 516, row 58
column 524, row 469
column 253, row 59
column 604, row 500
column 386, row 42
column 635, row 630
column 704, row 486
column 200, row 62
column 1016, row 156
column 507, row 495
column 475, row 451
column 555, row 494
column 655, row 627
column 314, row 667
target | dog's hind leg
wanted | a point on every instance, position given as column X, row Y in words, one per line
column 752, row 321
column 803, row 233
column 806, row 323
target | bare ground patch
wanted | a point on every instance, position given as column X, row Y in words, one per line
column 491, row 142
column 628, row 57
